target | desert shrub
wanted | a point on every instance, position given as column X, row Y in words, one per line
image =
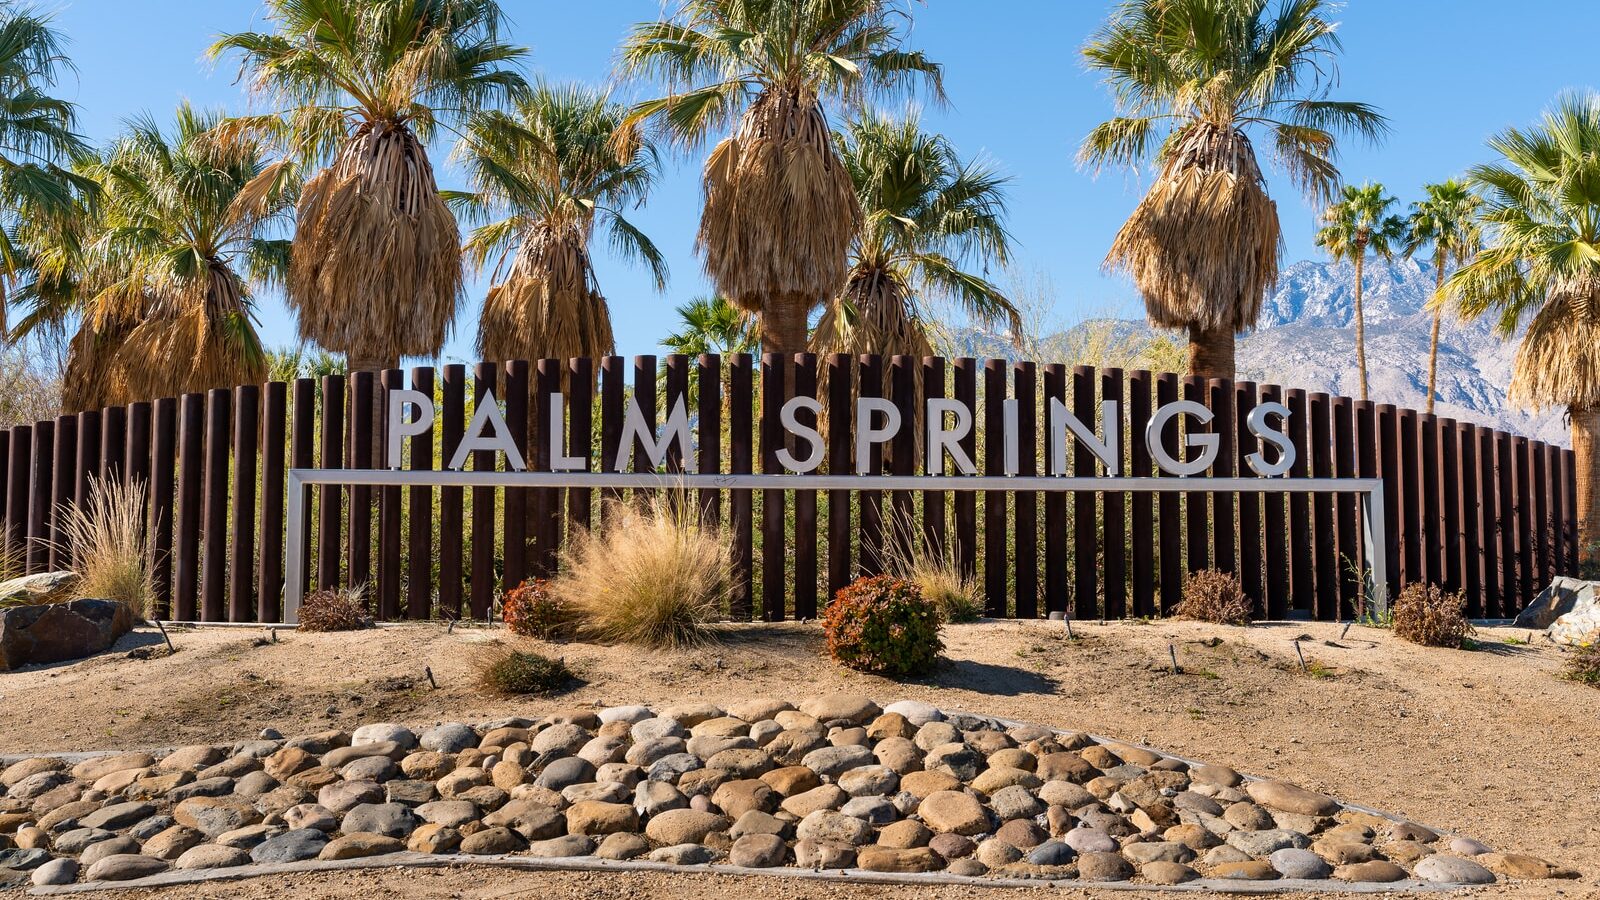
column 531, row 609
column 883, row 625
column 1424, row 614
column 957, row 596
column 1212, row 596
column 330, row 610
column 507, row 671
column 106, row 540
column 653, row 577
column 1583, row 666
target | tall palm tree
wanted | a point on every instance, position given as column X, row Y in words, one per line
column 361, row 87
column 37, row 141
column 1191, row 81
column 187, row 245
column 927, row 215
column 712, row 325
column 1540, row 264
column 544, row 175
column 1360, row 222
column 1447, row 221
column 780, row 210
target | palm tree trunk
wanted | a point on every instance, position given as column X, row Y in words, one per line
column 1211, row 352
column 1361, row 324
column 1586, row 449
column 783, row 324
column 1433, row 343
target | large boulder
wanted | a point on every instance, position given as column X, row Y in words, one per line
column 60, row 631
column 38, row 589
column 1568, row 610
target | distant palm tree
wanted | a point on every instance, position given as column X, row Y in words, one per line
column 1541, row 265
column 36, row 141
column 1446, row 221
column 362, row 86
column 1191, row 79
column 1356, row 224
column 544, row 175
column 712, row 325
column 927, row 216
column 185, row 246
column 780, row 211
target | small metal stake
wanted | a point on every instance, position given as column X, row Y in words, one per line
column 1301, row 655
column 1346, row 629
column 170, row 648
column 429, row 672
column 450, row 629
column 1070, row 635
column 1173, row 653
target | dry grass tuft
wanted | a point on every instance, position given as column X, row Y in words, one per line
column 936, row 574
column 506, row 671
column 1212, row 596
column 106, row 540
column 1424, row 614
column 1583, row 666
column 334, row 610
column 376, row 269
column 654, row 577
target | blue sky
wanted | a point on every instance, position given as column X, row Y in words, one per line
column 1448, row 73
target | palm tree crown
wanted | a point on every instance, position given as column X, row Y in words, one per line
column 361, row 86
column 712, row 325
column 780, row 212
column 1540, row 264
column 1360, row 222
column 927, row 216
column 1446, row 221
column 1191, row 81
column 37, row 140
column 544, row 175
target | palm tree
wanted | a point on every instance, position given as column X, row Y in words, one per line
column 362, row 86
column 1541, row 265
column 1191, row 81
column 37, row 188
column 1357, row 223
column 926, row 215
column 780, row 210
column 188, row 244
column 712, row 325
column 1447, row 221
column 544, row 175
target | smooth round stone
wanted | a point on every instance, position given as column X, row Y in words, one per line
column 1015, row 802
column 831, row 762
column 830, row 826
column 23, row 860
column 76, row 840
column 56, row 871
column 1053, row 853
column 360, row 846
column 868, row 781
column 758, row 851
column 1021, row 833
column 564, row 738
column 684, row 826
column 1464, row 846
column 852, row 708
column 1293, row 863
column 629, row 714
column 254, row 784
column 995, row 853
column 673, row 767
column 126, row 867
column 374, row 768
column 646, row 730
column 953, row 811
column 452, row 737
column 1375, row 871
column 249, row 836
column 915, row 711
column 310, row 815
column 875, row 810
column 1167, row 873
column 96, row 852
column 211, row 856
column 393, row 820
column 561, row 847
column 381, row 732
column 622, row 845
column 904, row 835
column 955, row 759
column 343, row 796
column 967, row 868
column 1292, row 798
column 1452, row 870
column 890, row 859
column 565, row 772
column 952, row 846
column 1090, row 840
column 683, row 855
column 149, row 828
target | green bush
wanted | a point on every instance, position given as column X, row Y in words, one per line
column 519, row 672
column 883, row 625
column 1424, row 614
column 532, row 610
column 1216, row 597
column 329, row 610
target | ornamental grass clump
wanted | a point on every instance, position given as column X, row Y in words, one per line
column 1424, row 614
column 507, row 671
column 331, row 610
column 1216, row 597
column 106, row 541
column 531, row 609
column 654, row 577
column 883, row 625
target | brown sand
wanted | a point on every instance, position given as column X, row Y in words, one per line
column 1489, row 743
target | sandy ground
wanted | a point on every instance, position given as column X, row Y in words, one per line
column 1489, row 742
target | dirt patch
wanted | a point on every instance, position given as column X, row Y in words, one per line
column 1489, row 743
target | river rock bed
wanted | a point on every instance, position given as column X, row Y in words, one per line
column 830, row 783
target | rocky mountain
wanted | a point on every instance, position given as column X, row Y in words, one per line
column 1305, row 339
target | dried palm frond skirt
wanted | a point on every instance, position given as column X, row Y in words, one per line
column 376, row 266
column 1202, row 246
column 1558, row 360
column 548, row 306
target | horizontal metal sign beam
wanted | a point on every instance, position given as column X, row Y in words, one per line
column 302, row 480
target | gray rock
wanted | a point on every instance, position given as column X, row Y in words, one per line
column 834, row 761
column 652, row 797
column 1262, row 844
column 916, row 712
column 56, row 871
column 1052, row 853
column 221, row 786
column 1452, row 870
column 565, row 772
column 1294, row 863
column 118, row 815
column 384, row 732
column 254, row 784
column 23, row 860
column 391, row 819
column 1015, row 802
column 629, row 714
column 647, row 730
column 376, row 769
column 149, row 828
column 77, row 839
column 683, row 855
column 291, row 846
column 126, row 867
column 671, row 768
column 644, row 753
column 1090, row 840
column 564, row 846
column 954, row 759
column 452, row 737
column 60, row 631
column 874, row 810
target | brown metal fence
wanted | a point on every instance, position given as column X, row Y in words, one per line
column 1475, row 510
